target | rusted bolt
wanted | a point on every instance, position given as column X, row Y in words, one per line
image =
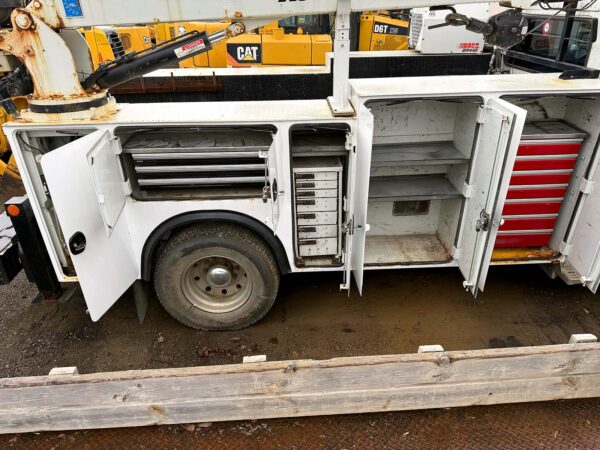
column 37, row 5
column 29, row 51
column 23, row 21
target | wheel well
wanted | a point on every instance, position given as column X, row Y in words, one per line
column 174, row 224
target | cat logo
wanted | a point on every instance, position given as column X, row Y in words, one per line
column 244, row 53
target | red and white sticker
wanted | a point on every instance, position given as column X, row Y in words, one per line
column 190, row 48
column 546, row 28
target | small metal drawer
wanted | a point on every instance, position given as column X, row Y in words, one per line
column 317, row 176
column 317, row 184
column 317, row 218
column 316, row 193
column 319, row 231
column 318, row 247
column 316, row 204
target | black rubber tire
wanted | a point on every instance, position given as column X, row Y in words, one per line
column 192, row 243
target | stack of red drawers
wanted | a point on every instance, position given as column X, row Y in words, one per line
column 547, row 155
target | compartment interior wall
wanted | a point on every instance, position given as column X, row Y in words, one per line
column 421, row 237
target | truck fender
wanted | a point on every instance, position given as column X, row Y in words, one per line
column 181, row 221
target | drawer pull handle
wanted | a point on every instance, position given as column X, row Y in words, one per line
column 305, row 176
column 306, row 194
column 306, row 185
column 307, row 216
column 306, row 202
column 307, row 229
column 309, row 242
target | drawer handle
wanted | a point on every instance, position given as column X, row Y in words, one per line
column 309, row 242
column 305, row 176
column 306, row 194
column 307, row 229
column 306, row 185
column 307, row 216
column 306, row 202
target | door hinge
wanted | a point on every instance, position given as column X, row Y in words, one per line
column 587, row 186
column 483, row 223
column 350, row 142
column 468, row 190
column 481, row 114
column 564, row 248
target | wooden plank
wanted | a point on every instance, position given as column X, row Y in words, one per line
column 300, row 388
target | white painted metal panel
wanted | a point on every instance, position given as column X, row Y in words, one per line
column 360, row 199
column 584, row 255
column 493, row 160
column 106, row 268
column 108, row 180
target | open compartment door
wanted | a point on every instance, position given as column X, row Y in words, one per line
column 497, row 142
column 359, row 198
column 584, row 234
column 86, row 185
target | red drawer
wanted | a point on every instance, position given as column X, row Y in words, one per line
column 528, row 224
column 536, row 193
column 544, row 178
column 549, row 149
column 520, row 209
column 522, row 240
column 545, row 164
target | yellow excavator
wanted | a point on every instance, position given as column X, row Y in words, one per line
column 297, row 40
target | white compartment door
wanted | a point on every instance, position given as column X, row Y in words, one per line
column 86, row 185
column 359, row 199
column 497, row 142
column 584, row 236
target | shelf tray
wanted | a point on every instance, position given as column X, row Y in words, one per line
column 422, row 153
column 405, row 188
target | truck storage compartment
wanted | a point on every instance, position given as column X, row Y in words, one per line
column 554, row 154
column 183, row 162
column 419, row 165
column 318, row 161
column 542, row 171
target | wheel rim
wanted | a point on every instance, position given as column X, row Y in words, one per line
column 216, row 284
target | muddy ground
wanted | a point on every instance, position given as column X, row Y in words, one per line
column 399, row 311
column 312, row 319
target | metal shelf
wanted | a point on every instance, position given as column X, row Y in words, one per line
column 412, row 187
column 429, row 153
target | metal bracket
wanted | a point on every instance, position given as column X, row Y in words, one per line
column 127, row 188
column 587, row 186
column 481, row 113
column 468, row 190
column 564, row 248
column 350, row 141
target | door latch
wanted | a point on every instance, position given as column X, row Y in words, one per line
column 483, row 222
column 347, row 227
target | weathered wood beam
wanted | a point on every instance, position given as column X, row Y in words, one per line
column 436, row 379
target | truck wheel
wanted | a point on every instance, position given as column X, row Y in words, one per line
column 216, row 277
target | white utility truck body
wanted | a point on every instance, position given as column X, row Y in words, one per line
column 420, row 178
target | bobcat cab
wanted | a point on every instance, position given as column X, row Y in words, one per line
column 213, row 202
